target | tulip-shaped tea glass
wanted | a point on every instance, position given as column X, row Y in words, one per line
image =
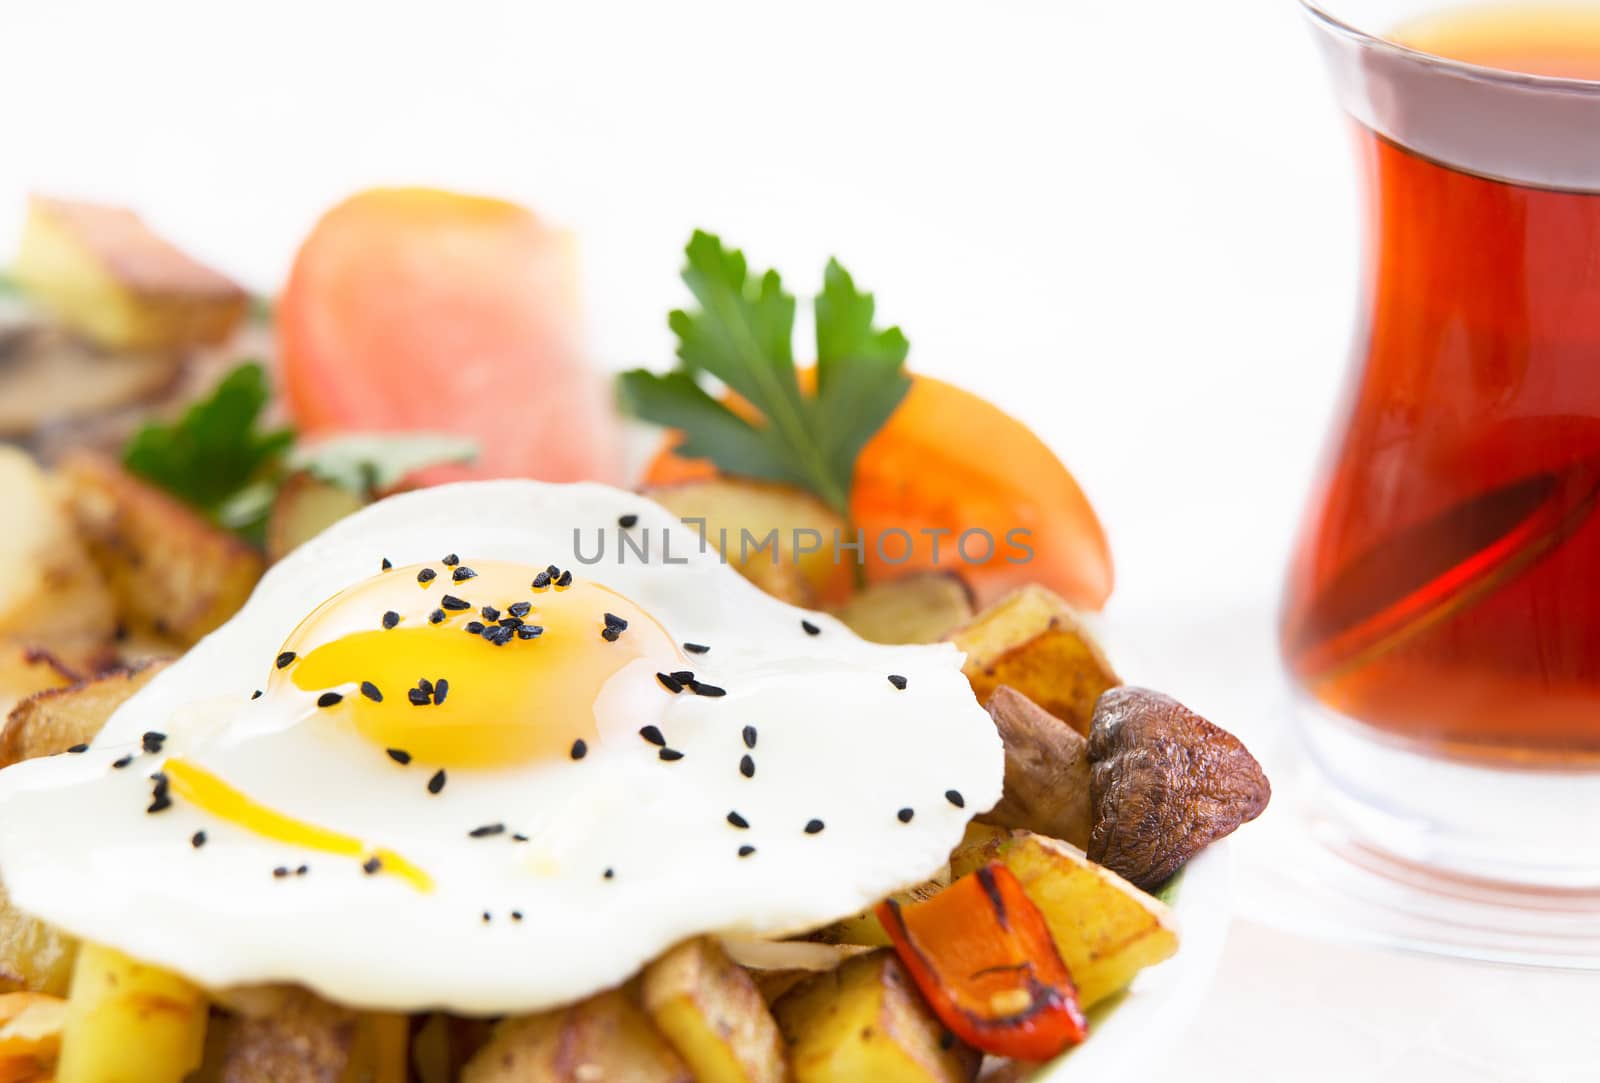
column 1442, row 614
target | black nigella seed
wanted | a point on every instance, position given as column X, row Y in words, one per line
column 813, row 827
column 152, row 741
column 123, row 762
column 462, row 574
column 371, row 866
column 256, row 694
column 487, row 830
column 747, row 767
column 441, row 689
column 811, row 629
column 530, row 631
column 626, row 521
column 610, row 874
column 670, row 683
column 280, row 872
column 419, row 698
column 519, row 838
column 198, row 839
column 390, row 619
column 955, row 798
column 904, row 815
column 580, row 749
column 78, row 750
column 696, row 648
column 386, row 565
column 499, row 635
column 682, row 676
column 653, row 735
column 451, row 561
column 749, row 737
column 399, row 755
column 370, row 690
column 746, row 850
column 436, row 617
column 565, row 580
column 614, row 621
column 454, row 604
column 425, row 685
column 302, row 870
column 552, row 570
column 611, row 635
column 160, row 803
column 285, row 658
column 898, row 681
column 541, row 581
column 516, row 915
column 487, row 917
column 426, row 575
column 489, row 612
column 511, row 622
column 671, row 755
column 738, row 821
column 520, row 609
column 474, row 627
column 436, row 783
column 700, row 688
column 328, row 699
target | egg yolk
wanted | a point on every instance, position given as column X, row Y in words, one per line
column 473, row 663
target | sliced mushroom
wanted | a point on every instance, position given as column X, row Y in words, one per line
column 1165, row 784
column 1047, row 770
column 48, row 377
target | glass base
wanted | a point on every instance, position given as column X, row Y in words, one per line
column 1382, row 845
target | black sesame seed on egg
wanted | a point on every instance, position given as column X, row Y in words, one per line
column 454, row 604
column 256, row 694
column 419, row 698
column 436, row 617
column 749, row 735
column 285, row 658
column 814, row 827
column 747, row 766
column 898, row 681
column 281, row 872
column 628, row 520
column 451, row 561
column 955, row 798
column 653, row 735
column 670, row 683
column 746, row 850
column 580, row 749
column 810, row 629
column 671, row 755
column 372, row 866
column 520, row 609
column 696, row 648
column 436, row 783
column 441, row 689
column 123, row 762
column 399, row 755
column 198, row 839
column 152, row 741
column 329, row 699
column 489, row 612
column 738, row 821
column 904, row 815
column 390, row 619
column 386, row 565
column 565, row 579
column 474, row 627
column 462, row 574
column 486, row 831
column 78, row 750
column 370, row 690
column 701, row 688
column 427, row 575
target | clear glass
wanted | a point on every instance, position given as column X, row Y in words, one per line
column 1442, row 611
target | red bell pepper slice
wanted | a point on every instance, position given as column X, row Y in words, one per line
column 983, row 958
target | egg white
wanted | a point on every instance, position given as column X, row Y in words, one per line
column 836, row 741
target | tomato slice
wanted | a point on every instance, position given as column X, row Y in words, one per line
column 417, row 309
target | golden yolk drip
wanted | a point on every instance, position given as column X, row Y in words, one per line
column 522, row 700
column 209, row 793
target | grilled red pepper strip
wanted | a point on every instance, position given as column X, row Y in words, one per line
column 982, row 955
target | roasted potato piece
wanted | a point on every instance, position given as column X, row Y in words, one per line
column 738, row 516
column 1037, row 644
column 1047, row 770
column 173, row 574
column 62, row 599
column 1106, row 929
column 1166, row 784
column 50, row 722
column 866, row 1020
column 25, row 671
column 916, row 609
column 283, row 1034
column 603, row 1038
column 304, row 507
column 103, row 273
column 34, row 956
column 713, row 1015
column 30, row 1028
column 443, row 1044
column 129, row 1023
column 51, row 378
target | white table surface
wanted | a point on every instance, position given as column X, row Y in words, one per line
column 1130, row 223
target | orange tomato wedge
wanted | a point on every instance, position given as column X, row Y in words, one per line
column 417, row 309
column 948, row 469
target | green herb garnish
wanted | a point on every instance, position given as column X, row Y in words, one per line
column 742, row 335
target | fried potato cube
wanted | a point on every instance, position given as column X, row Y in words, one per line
column 714, row 1016
column 101, row 271
column 173, row 574
column 1047, row 786
column 603, row 1038
column 55, row 596
column 284, row 1034
column 30, row 1027
column 1035, row 642
column 738, row 518
column 915, row 609
column 50, row 722
column 34, row 956
column 866, row 1020
column 129, row 1023
column 1106, row 929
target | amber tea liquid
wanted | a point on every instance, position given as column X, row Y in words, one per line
column 1446, row 587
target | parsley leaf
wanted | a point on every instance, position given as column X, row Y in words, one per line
column 214, row 451
column 742, row 334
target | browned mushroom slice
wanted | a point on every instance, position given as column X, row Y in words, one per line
column 48, row 377
column 1165, row 784
column 1047, row 770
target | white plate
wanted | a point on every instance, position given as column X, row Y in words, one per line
column 1133, row 1031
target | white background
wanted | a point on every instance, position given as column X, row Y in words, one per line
column 1132, row 224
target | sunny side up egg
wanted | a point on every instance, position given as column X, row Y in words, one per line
column 418, row 770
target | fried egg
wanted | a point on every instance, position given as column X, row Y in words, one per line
column 447, row 757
